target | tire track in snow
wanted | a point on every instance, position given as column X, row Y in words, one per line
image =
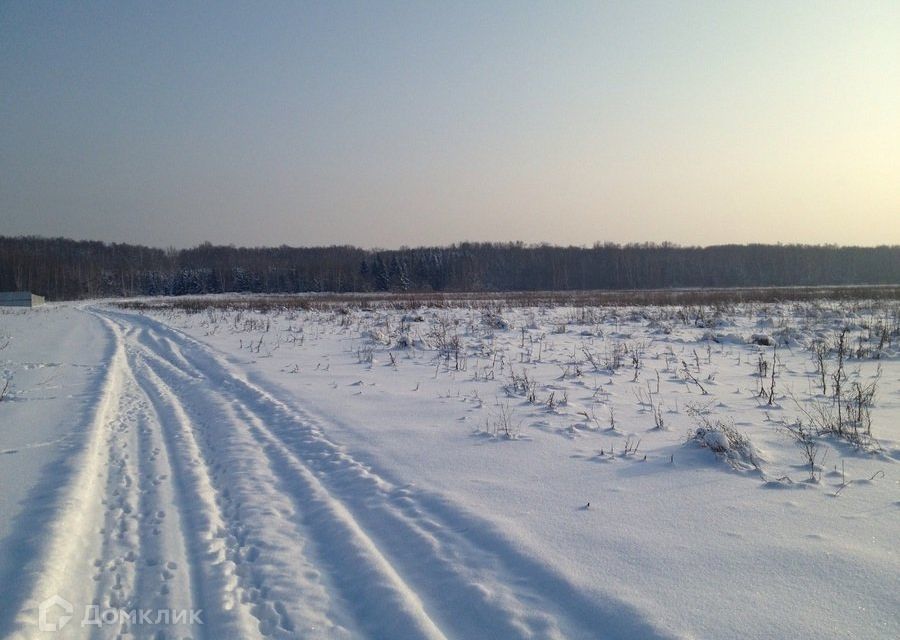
column 366, row 583
column 119, row 540
column 143, row 563
column 202, row 530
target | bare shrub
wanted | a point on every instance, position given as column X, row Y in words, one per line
column 805, row 436
column 847, row 414
column 502, row 423
column 820, row 355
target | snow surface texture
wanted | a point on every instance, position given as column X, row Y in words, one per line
column 430, row 473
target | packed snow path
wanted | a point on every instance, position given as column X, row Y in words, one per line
column 201, row 490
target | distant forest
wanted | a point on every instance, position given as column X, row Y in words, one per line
column 63, row 269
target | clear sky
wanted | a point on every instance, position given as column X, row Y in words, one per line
column 409, row 123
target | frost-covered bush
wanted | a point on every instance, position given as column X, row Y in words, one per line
column 494, row 320
column 726, row 441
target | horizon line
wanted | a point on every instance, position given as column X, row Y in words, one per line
column 462, row 243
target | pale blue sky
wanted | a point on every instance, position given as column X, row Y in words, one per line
column 382, row 124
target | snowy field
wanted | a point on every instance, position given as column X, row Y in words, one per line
column 473, row 472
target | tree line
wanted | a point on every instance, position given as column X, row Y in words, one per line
column 64, row 269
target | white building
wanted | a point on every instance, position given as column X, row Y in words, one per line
column 20, row 299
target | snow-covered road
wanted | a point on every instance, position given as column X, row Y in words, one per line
column 199, row 490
